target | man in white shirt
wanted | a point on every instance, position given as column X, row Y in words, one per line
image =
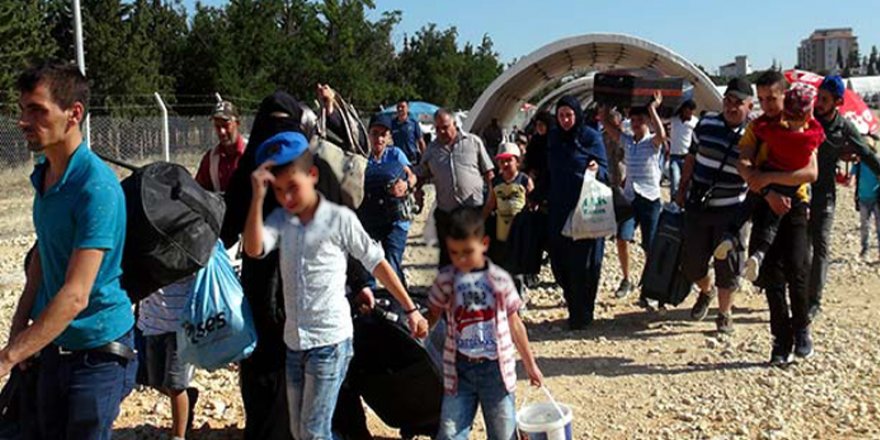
column 642, row 183
column 681, row 135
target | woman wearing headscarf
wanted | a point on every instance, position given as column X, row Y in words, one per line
column 263, row 386
column 573, row 149
column 535, row 164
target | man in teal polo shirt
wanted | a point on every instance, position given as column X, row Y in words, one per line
column 73, row 311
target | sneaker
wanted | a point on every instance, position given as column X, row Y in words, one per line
column 724, row 323
column 624, row 289
column 724, row 249
column 863, row 254
column 701, row 306
column 803, row 344
column 781, row 354
column 753, row 267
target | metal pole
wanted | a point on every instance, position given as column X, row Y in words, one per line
column 81, row 62
column 165, row 138
column 219, row 98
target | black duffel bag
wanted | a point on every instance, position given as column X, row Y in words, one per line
column 172, row 226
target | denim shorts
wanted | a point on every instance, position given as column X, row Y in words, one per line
column 163, row 366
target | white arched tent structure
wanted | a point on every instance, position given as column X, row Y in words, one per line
column 577, row 54
column 582, row 88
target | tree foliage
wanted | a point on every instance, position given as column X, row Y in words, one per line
column 246, row 49
column 23, row 39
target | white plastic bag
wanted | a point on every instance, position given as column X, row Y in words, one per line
column 593, row 215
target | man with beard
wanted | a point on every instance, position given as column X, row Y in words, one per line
column 218, row 164
column 842, row 138
column 262, row 375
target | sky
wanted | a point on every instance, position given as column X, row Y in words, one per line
column 707, row 32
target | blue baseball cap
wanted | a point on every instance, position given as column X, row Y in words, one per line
column 283, row 148
column 834, row 85
column 381, row 120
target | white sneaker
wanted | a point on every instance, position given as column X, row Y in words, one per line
column 723, row 249
column 753, row 269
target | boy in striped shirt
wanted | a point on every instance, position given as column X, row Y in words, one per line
column 158, row 320
column 481, row 307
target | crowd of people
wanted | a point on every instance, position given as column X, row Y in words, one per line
column 308, row 261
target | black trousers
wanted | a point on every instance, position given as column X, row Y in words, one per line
column 786, row 269
column 441, row 220
column 821, row 221
column 577, row 266
column 264, row 393
column 765, row 223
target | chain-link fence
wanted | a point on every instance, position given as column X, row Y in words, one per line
column 137, row 140
column 132, row 139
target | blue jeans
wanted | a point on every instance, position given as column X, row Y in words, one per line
column 676, row 163
column 868, row 209
column 78, row 394
column 478, row 384
column 646, row 216
column 393, row 238
column 314, row 378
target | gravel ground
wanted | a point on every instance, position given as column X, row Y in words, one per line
column 633, row 374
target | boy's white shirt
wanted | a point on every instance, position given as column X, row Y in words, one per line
column 313, row 260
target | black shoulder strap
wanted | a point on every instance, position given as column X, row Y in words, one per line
column 118, row 162
column 730, row 144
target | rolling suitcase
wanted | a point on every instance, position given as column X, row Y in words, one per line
column 394, row 372
column 662, row 279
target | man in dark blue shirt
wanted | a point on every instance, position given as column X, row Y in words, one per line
column 407, row 134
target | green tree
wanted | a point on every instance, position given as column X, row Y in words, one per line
column 168, row 29
column 23, row 40
column 480, row 67
column 433, row 65
column 122, row 60
column 358, row 55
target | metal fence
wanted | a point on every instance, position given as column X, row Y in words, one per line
column 135, row 139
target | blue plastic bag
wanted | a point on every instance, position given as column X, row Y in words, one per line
column 217, row 326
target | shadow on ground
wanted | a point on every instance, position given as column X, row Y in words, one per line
column 611, row 366
column 641, row 325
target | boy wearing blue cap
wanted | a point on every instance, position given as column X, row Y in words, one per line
column 314, row 237
column 842, row 140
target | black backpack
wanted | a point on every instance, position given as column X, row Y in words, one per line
column 172, row 228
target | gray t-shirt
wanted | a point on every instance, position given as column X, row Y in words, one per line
column 458, row 171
